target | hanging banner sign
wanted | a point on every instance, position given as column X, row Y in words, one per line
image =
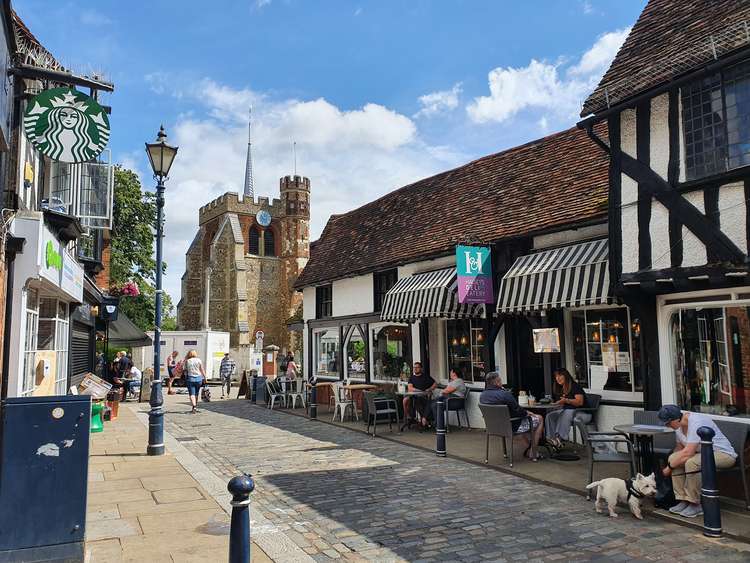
column 66, row 125
column 474, row 269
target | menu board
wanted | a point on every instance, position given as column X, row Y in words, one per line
column 94, row 386
column 546, row 340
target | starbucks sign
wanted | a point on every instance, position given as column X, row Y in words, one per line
column 66, row 125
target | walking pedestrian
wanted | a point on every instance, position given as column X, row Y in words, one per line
column 226, row 372
column 291, row 367
column 194, row 377
column 171, row 365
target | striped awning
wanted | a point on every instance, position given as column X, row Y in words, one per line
column 571, row 276
column 431, row 294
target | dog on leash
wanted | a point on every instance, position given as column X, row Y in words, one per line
column 612, row 490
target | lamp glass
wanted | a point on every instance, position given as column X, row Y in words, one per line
column 161, row 155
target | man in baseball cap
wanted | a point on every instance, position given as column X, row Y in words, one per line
column 684, row 465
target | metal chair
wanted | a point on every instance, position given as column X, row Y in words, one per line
column 377, row 406
column 273, row 392
column 664, row 444
column 591, row 438
column 296, row 390
column 498, row 422
column 592, row 408
column 457, row 405
column 342, row 402
column 736, row 433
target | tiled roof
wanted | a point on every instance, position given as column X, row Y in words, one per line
column 670, row 39
column 558, row 180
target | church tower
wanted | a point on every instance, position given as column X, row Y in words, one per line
column 295, row 250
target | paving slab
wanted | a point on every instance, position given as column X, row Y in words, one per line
column 177, row 495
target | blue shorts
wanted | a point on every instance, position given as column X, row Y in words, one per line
column 194, row 386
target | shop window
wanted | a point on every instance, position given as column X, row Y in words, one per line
column 714, row 114
column 382, row 282
column 606, row 350
column 391, row 352
column 269, row 244
column 52, row 323
column 356, row 361
column 327, row 352
column 467, row 349
column 253, row 241
column 710, row 351
column 323, row 301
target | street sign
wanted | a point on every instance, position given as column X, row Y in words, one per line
column 66, row 125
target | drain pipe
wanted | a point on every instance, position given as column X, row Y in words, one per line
column 594, row 137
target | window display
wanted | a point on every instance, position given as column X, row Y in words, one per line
column 327, row 352
column 391, row 352
column 356, row 366
column 606, row 350
column 467, row 349
column 710, row 359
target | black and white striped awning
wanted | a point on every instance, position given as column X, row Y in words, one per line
column 431, row 294
column 571, row 276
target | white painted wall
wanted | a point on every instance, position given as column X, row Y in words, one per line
column 659, row 146
column 353, row 296
column 308, row 303
column 732, row 210
column 693, row 250
column 661, row 256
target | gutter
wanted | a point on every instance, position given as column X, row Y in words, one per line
column 37, row 73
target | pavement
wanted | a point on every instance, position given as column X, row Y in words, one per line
column 143, row 508
column 338, row 494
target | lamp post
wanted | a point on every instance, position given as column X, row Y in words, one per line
column 161, row 155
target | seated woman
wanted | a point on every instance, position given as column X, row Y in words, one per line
column 570, row 396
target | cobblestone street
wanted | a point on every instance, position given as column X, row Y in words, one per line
column 339, row 494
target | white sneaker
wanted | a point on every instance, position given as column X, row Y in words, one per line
column 677, row 508
column 692, row 511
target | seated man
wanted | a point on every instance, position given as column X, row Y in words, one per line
column 494, row 394
column 419, row 381
column 684, row 465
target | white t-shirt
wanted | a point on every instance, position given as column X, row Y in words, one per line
column 695, row 421
column 193, row 367
column 135, row 373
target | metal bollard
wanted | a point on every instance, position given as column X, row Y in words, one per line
column 239, row 533
column 313, row 402
column 709, row 486
column 255, row 388
column 440, row 449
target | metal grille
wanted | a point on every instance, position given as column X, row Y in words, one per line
column 709, row 48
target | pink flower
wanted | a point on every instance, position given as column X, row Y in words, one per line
column 130, row 289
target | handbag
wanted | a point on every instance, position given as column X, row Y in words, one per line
column 664, row 497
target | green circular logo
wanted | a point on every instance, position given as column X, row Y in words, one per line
column 66, row 125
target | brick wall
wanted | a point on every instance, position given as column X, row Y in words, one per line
column 102, row 278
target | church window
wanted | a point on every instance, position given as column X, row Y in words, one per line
column 269, row 244
column 253, row 241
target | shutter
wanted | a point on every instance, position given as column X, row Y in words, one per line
column 81, row 350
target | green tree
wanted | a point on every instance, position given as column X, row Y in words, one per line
column 132, row 251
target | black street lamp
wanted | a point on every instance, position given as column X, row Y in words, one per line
column 161, row 155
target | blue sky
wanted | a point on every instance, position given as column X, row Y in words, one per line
column 375, row 94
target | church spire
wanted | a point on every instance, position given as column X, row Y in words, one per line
column 249, row 191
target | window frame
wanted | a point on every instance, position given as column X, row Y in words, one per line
column 476, row 327
column 324, row 301
column 256, row 231
column 381, row 285
column 722, row 81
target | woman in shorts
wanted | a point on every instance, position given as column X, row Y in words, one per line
column 194, row 376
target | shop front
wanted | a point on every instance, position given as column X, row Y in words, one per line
column 48, row 284
column 559, row 313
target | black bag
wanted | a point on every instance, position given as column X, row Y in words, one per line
column 664, row 492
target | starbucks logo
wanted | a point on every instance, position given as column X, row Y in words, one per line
column 66, row 125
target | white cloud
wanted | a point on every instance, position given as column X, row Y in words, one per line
column 351, row 156
column 587, row 7
column 558, row 88
column 94, row 18
column 358, row 11
column 439, row 102
column 262, row 3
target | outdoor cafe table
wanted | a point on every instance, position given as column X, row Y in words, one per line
column 407, row 416
column 643, row 437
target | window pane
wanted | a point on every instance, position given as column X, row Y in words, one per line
column 608, row 348
column 391, row 351
column 47, row 308
column 711, row 359
column 269, row 246
column 327, row 352
column 580, row 360
column 465, row 349
column 356, row 364
column 46, row 338
column 253, row 242
column 737, row 94
column 705, row 137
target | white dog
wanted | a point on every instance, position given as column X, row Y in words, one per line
column 612, row 490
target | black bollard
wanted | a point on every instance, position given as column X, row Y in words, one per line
column 239, row 533
column 255, row 386
column 709, row 486
column 440, row 449
column 313, row 401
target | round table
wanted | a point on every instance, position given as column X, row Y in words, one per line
column 643, row 437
